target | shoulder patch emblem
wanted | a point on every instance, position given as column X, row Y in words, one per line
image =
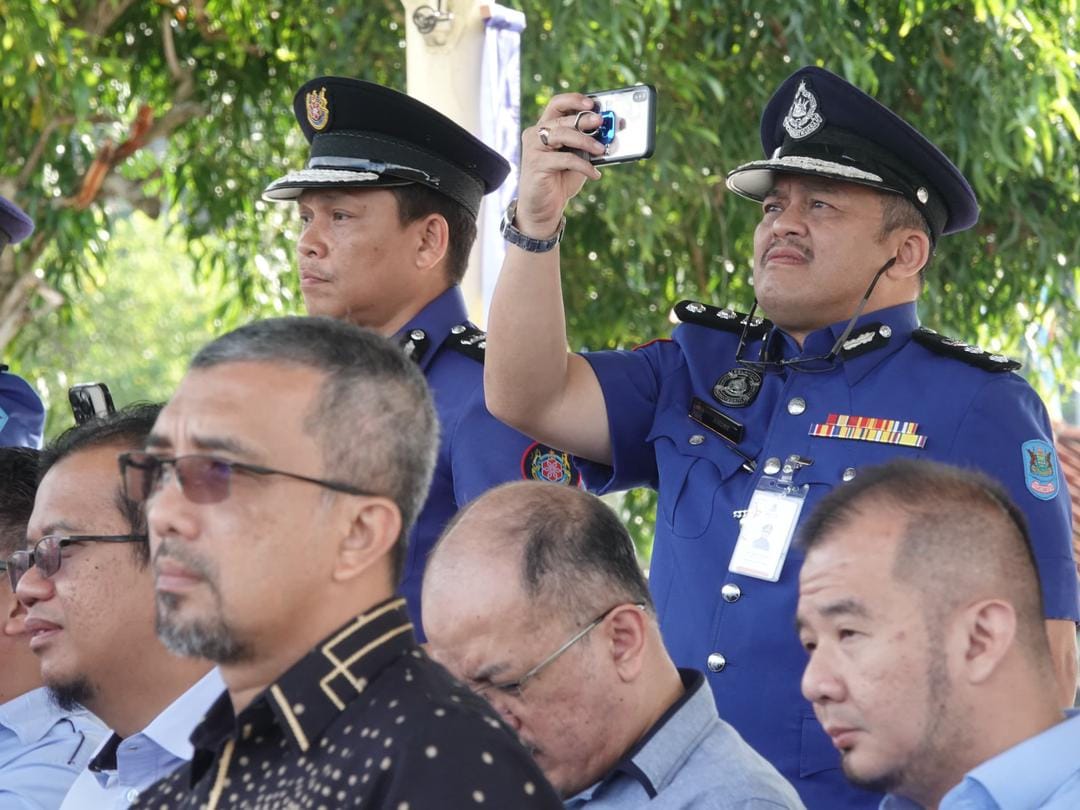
column 965, row 352
column 542, row 463
column 468, row 340
column 1040, row 469
column 716, row 318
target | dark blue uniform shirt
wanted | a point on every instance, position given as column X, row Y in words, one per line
column 476, row 450
column 741, row 629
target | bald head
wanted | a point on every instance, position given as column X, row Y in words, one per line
column 959, row 537
column 567, row 548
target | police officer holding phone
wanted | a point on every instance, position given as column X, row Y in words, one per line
column 743, row 422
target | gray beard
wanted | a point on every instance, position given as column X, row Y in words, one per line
column 211, row 639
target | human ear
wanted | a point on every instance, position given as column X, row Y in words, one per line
column 373, row 530
column 986, row 632
column 912, row 254
column 625, row 631
column 434, row 233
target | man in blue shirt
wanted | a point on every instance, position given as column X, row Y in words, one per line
column 85, row 579
column 742, row 423
column 920, row 608
column 42, row 747
column 388, row 202
column 535, row 599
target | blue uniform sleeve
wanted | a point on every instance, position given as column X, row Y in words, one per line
column 631, row 384
column 1007, row 434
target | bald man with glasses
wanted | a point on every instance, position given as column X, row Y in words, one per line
column 535, row 599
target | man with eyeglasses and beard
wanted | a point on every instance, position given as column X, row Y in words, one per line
column 281, row 481
column 88, row 589
column 42, row 747
column 741, row 424
column 534, row 598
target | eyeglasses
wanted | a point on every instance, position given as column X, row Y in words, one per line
column 809, row 365
column 515, row 688
column 202, row 479
column 46, row 554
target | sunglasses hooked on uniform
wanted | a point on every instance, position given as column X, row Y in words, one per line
column 46, row 555
column 202, row 478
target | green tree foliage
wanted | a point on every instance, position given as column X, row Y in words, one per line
column 996, row 83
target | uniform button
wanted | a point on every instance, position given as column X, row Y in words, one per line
column 731, row 592
column 772, row 466
column 796, row 406
column 716, row 662
column 457, row 330
column 849, row 473
column 131, row 795
column 695, row 307
column 697, row 439
column 417, row 334
column 885, row 331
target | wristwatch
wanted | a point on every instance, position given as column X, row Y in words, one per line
column 527, row 243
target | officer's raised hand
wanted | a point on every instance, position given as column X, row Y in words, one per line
column 552, row 168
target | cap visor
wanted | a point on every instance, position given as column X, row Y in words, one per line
column 755, row 179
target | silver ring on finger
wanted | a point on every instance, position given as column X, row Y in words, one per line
column 577, row 123
column 543, row 134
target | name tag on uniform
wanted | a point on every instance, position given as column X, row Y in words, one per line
column 767, row 527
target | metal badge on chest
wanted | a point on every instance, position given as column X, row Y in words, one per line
column 737, row 388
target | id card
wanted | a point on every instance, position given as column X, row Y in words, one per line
column 767, row 528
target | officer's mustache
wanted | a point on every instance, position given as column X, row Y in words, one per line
column 806, row 251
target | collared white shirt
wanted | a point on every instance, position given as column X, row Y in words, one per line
column 42, row 750
column 122, row 768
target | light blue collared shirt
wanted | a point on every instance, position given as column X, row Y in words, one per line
column 1041, row 773
column 690, row 760
column 122, row 768
column 42, row 750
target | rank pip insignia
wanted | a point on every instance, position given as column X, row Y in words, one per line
column 803, row 119
column 318, row 110
column 737, row 388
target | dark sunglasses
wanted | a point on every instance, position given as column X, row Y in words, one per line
column 46, row 555
column 202, row 479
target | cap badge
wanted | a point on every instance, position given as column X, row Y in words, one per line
column 318, row 110
column 803, row 119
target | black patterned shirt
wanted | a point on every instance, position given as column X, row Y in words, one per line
column 365, row 720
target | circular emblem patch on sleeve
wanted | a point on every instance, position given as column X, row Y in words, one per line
column 543, row 463
column 1040, row 469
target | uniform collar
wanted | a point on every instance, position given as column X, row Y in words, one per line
column 30, row 715
column 876, row 336
column 429, row 327
column 655, row 759
column 304, row 701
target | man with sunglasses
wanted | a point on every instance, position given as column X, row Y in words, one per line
column 42, row 747
column 388, row 203
column 86, row 582
column 534, row 597
column 281, row 481
column 742, row 423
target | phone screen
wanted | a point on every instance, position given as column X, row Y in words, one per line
column 628, row 125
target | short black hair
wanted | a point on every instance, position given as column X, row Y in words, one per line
column 961, row 533
column 373, row 420
column 415, row 201
column 126, row 429
column 18, row 485
column 897, row 211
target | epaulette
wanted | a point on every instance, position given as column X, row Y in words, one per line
column 468, row 340
column 715, row 318
column 958, row 350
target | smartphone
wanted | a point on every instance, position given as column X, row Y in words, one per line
column 628, row 123
column 89, row 400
